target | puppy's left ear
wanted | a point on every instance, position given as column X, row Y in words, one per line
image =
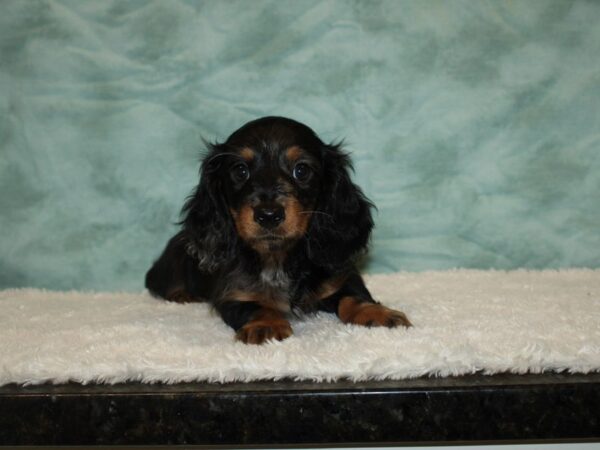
column 341, row 226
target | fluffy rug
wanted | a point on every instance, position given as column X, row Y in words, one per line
column 464, row 322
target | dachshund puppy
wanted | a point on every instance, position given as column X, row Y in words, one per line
column 272, row 228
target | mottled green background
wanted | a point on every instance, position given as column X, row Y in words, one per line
column 474, row 125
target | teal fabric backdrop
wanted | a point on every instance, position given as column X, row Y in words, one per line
column 474, row 125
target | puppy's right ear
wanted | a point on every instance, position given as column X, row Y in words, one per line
column 206, row 220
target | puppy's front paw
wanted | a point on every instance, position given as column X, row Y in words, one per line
column 259, row 330
column 179, row 296
column 353, row 311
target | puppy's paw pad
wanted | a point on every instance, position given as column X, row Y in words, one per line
column 258, row 332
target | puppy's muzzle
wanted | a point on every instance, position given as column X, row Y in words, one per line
column 270, row 216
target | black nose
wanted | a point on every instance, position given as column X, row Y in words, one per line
column 269, row 217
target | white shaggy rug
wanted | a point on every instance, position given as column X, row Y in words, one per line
column 465, row 321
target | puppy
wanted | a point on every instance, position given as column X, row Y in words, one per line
column 273, row 228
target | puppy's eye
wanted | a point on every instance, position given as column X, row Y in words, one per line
column 302, row 172
column 240, row 172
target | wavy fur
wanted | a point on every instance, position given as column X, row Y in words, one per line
column 273, row 227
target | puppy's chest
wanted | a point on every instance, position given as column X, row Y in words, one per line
column 275, row 278
column 274, row 285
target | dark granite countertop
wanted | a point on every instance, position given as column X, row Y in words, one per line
column 500, row 408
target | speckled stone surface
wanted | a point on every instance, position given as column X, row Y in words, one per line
column 464, row 409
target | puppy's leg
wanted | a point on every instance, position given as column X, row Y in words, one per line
column 253, row 323
column 170, row 275
column 353, row 303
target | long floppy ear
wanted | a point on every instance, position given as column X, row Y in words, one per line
column 206, row 220
column 341, row 226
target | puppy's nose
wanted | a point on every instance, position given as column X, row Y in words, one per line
column 269, row 217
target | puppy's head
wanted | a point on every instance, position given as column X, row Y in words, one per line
column 272, row 177
column 274, row 183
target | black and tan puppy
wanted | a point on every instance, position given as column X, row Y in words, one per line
column 272, row 229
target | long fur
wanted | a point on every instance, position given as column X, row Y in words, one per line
column 254, row 273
